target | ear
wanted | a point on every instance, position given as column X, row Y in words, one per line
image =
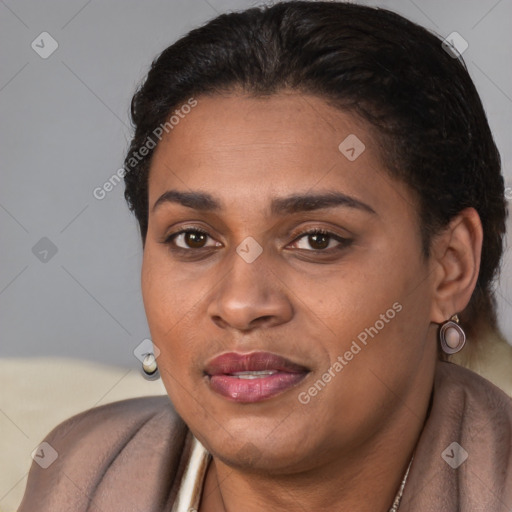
column 455, row 257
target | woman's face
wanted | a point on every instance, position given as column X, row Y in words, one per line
column 284, row 282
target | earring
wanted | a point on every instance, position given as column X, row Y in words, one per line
column 451, row 336
column 149, row 366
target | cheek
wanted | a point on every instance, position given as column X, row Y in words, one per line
column 170, row 303
column 168, row 311
column 365, row 312
column 169, row 292
column 352, row 298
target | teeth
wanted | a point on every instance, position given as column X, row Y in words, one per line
column 253, row 375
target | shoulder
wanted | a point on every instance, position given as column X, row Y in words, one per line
column 463, row 459
column 117, row 419
column 481, row 410
column 480, row 396
column 112, row 454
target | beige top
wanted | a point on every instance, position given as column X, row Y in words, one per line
column 192, row 482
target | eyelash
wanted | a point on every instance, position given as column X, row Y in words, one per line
column 343, row 242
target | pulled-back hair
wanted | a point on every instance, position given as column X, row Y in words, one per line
column 418, row 100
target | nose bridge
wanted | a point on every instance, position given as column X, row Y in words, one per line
column 248, row 279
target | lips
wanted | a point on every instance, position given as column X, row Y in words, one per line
column 252, row 377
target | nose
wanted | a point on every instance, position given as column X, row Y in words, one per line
column 250, row 296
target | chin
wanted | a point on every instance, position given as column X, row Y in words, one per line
column 252, row 444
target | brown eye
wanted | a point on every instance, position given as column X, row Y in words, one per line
column 319, row 240
column 194, row 239
column 191, row 239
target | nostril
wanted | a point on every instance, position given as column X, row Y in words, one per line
column 219, row 321
column 261, row 320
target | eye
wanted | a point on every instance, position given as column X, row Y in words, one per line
column 320, row 240
column 187, row 239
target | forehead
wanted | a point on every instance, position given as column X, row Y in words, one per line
column 241, row 122
column 261, row 147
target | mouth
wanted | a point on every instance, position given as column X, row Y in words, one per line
column 253, row 377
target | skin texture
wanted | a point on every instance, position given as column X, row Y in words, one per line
column 351, row 443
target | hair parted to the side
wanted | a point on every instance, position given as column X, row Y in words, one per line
column 419, row 101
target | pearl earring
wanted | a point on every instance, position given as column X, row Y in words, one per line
column 451, row 336
column 149, row 367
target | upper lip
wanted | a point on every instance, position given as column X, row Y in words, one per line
column 233, row 362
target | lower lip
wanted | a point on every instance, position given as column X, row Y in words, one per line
column 254, row 390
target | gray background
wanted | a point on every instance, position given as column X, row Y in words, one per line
column 64, row 130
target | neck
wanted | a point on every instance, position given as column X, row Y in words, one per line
column 366, row 479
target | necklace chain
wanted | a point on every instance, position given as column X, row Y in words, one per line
column 398, row 497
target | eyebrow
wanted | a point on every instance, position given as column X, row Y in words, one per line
column 295, row 203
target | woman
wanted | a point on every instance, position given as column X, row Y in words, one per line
column 322, row 212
